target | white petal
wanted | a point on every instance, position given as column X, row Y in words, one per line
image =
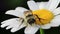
column 17, row 12
column 29, row 33
column 31, row 29
column 18, row 28
column 10, row 22
column 52, row 4
column 14, row 23
column 56, row 21
column 47, row 26
column 8, row 27
column 42, row 5
column 13, row 29
column 32, row 5
column 56, row 11
column 4, row 25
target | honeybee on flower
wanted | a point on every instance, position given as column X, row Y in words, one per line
column 41, row 15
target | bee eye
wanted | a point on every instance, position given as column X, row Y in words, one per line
column 31, row 21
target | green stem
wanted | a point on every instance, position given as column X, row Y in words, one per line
column 41, row 31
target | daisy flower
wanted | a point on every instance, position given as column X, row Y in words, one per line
column 45, row 14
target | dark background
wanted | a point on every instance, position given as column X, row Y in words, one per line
column 12, row 4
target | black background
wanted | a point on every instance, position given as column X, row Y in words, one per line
column 12, row 4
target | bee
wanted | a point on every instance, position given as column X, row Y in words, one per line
column 31, row 18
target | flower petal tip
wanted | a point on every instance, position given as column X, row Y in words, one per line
column 1, row 26
column 9, row 12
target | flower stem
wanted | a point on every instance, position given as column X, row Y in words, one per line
column 41, row 31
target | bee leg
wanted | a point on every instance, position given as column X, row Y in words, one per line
column 41, row 23
column 21, row 21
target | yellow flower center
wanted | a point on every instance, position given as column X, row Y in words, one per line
column 45, row 16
